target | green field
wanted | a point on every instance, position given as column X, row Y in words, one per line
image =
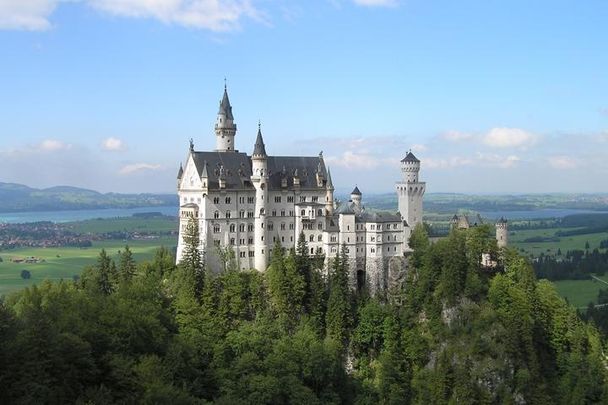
column 65, row 262
column 580, row 292
column 516, row 239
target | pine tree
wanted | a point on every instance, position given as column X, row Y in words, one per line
column 192, row 259
column 339, row 312
column 106, row 271
column 126, row 266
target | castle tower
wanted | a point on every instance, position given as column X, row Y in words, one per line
column 225, row 128
column 410, row 192
column 329, row 195
column 502, row 233
column 355, row 197
column 259, row 179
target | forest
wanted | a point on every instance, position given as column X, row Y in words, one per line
column 153, row 332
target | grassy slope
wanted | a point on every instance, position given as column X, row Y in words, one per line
column 566, row 243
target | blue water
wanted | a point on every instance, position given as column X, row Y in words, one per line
column 80, row 215
column 537, row 214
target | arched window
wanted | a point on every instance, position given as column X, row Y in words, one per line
column 227, row 214
column 232, row 228
column 311, row 238
column 303, row 212
column 216, row 214
column 320, row 212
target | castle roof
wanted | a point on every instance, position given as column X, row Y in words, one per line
column 379, row 217
column 502, row 220
column 180, row 173
column 410, row 158
column 225, row 107
column 355, row 191
column 237, row 170
column 346, row 209
column 259, row 148
column 329, row 184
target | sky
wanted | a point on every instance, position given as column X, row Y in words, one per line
column 492, row 96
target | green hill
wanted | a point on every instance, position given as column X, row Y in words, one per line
column 19, row 198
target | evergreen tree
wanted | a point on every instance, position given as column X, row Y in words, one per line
column 192, row 260
column 286, row 286
column 126, row 264
column 106, row 273
column 339, row 312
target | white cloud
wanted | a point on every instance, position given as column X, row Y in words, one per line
column 562, row 162
column 504, row 162
column 29, row 15
column 456, row 136
column 509, row 138
column 52, row 145
column 113, row 144
column 214, row 15
column 138, row 167
column 443, row 163
column 352, row 160
column 376, row 3
column 418, row 147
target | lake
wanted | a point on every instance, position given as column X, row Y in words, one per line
column 81, row 215
column 537, row 214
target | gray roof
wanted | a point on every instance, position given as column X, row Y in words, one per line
column 356, row 191
column 225, row 107
column 237, row 168
column 329, row 184
column 502, row 220
column 306, row 167
column 346, row 209
column 410, row 158
column 259, row 148
column 180, row 173
column 379, row 217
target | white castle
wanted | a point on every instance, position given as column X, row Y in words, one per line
column 249, row 202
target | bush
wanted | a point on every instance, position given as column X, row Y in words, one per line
column 25, row 274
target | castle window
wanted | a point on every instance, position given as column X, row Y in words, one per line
column 227, row 200
column 320, row 238
column 291, row 213
column 291, row 227
column 241, row 200
column 242, row 214
column 312, row 251
column 315, row 198
column 277, row 199
column 216, row 214
column 227, row 214
column 249, row 214
column 282, row 213
column 372, row 239
column 348, row 227
column 251, row 253
column 311, row 238
column 250, row 200
column 282, row 226
column 241, row 241
column 274, row 213
column 373, row 250
column 291, row 238
column 302, row 198
column 216, row 229
column 261, row 211
column 270, row 226
column 333, row 238
column 250, row 241
column 333, row 250
column 320, row 212
column 303, row 212
column 242, row 254
column 319, row 226
column 250, row 227
column 216, row 200
column 373, row 227
column 289, row 198
column 232, row 241
column 232, row 228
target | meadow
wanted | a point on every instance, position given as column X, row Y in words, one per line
column 565, row 243
column 67, row 262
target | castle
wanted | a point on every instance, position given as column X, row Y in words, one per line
column 250, row 202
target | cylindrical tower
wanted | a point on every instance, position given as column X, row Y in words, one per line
column 410, row 167
column 329, row 195
column 225, row 128
column 355, row 197
column 502, row 233
column 259, row 179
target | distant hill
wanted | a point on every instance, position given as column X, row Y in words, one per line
column 18, row 197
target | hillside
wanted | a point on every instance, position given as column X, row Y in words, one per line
column 19, row 198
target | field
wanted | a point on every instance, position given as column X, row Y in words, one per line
column 66, row 262
column 516, row 239
column 580, row 292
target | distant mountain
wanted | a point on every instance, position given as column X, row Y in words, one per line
column 18, row 197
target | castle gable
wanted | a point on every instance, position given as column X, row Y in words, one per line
column 305, row 167
column 233, row 166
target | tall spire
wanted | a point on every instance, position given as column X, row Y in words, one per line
column 259, row 148
column 330, row 184
column 225, row 107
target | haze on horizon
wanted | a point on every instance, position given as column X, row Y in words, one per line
column 493, row 98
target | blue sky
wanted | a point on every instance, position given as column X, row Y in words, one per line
column 492, row 96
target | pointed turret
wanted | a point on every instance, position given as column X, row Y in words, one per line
column 330, row 184
column 225, row 128
column 180, row 172
column 205, row 174
column 355, row 197
column 355, row 191
column 259, row 149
